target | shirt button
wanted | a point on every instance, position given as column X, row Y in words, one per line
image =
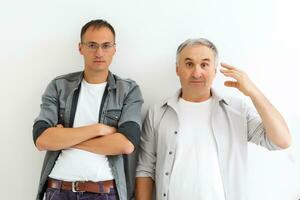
column 166, row 173
column 165, row 194
column 175, row 132
column 170, row 152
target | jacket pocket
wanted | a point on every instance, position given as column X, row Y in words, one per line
column 112, row 117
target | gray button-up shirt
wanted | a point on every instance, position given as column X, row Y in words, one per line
column 120, row 107
column 233, row 122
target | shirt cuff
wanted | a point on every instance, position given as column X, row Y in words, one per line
column 132, row 131
column 38, row 128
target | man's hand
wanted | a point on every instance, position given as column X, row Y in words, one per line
column 276, row 128
column 59, row 126
column 242, row 83
column 106, row 130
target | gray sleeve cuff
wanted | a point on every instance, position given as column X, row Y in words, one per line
column 144, row 173
column 38, row 128
column 131, row 130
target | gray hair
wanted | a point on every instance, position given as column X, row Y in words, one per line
column 197, row 41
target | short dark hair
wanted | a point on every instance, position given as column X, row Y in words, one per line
column 96, row 24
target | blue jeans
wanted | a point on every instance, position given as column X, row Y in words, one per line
column 57, row 194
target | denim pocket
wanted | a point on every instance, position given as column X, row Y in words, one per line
column 112, row 117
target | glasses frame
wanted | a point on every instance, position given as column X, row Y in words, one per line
column 106, row 46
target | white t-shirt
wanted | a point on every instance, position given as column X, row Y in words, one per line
column 196, row 172
column 79, row 165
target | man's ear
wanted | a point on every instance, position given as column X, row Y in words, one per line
column 80, row 48
column 177, row 69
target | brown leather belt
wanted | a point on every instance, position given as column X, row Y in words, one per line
column 83, row 186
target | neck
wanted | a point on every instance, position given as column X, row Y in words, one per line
column 95, row 77
column 193, row 97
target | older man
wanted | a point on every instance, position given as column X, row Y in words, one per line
column 194, row 145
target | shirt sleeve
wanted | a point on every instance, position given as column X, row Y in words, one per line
column 48, row 115
column 130, row 120
column 256, row 130
column 147, row 151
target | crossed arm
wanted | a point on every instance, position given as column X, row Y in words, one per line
column 96, row 138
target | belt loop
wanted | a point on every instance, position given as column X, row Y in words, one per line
column 60, row 185
column 58, row 182
column 101, row 187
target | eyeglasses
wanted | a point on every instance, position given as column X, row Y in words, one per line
column 93, row 46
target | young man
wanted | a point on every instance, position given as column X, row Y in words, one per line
column 194, row 145
column 89, row 123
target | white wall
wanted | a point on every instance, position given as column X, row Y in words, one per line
column 39, row 41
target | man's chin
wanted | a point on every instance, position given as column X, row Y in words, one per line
column 97, row 69
column 198, row 88
column 100, row 66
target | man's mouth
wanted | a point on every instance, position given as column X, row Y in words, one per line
column 197, row 82
column 99, row 61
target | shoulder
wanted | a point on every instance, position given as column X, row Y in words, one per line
column 157, row 111
column 237, row 105
column 124, row 83
column 127, row 88
column 65, row 82
column 74, row 76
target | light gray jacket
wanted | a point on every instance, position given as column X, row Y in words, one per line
column 233, row 124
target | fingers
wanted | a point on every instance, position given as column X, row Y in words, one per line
column 231, row 71
column 227, row 66
column 231, row 74
column 231, row 84
column 59, row 126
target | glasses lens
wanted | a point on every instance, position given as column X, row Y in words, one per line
column 92, row 46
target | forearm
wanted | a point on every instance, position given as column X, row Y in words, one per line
column 143, row 188
column 276, row 128
column 57, row 138
column 113, row 144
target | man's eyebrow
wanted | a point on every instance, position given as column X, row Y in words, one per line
column 206, row 59
column 188, row 59
column 91, row 42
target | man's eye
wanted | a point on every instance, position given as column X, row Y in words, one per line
column 92, row 46
column 204, row 65
column 189, row 64
column 106, row 46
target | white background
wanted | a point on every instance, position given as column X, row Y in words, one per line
column 39, row 41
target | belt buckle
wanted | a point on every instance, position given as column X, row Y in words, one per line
column 74, row 186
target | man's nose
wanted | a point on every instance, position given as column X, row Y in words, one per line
column 99, row 51
column 197, row 72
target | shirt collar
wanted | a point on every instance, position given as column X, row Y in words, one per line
column 111, row 81
column 173, row 100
